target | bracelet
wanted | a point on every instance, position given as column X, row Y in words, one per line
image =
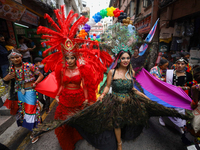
column 103, row 94
column 34, row 83
column 194, row 103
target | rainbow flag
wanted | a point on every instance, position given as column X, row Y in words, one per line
column 166, row 94
column 148, row 39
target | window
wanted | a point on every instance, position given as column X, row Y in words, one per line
column 132, row 8
column 146, row 3
column 138, row 8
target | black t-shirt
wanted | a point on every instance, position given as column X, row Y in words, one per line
column 137, row 62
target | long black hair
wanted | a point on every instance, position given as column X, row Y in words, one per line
column 162, row 62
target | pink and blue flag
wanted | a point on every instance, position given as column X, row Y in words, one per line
column 166, row 94
column 148, row 39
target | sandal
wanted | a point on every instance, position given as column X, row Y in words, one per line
column 34, row 139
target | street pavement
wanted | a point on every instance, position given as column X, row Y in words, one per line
column 155, row 137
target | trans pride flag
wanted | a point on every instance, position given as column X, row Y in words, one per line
column 148, row 39
column 166, row 94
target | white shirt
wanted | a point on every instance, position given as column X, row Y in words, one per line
column 23, row 47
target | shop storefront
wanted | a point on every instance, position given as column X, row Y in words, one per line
column 180, row 29
column 10, row 12
column 27, row 27
column 21, row 18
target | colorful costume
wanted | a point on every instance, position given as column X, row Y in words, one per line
column 91, row 63
column 123, row 108
column 28, row 115
column 157, row 72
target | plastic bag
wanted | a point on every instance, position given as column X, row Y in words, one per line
column 196, row 119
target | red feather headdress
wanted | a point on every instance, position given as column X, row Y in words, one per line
column 63, row 39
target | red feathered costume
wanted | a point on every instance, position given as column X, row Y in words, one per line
column 91, row 64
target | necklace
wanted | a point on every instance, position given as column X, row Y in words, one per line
column 159, row 72
column 18, row 65
column 22, row 79
column 176, row 78
column 181, row 71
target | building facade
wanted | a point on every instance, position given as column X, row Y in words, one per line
column 75, row 5
column 86, row 10
column 22, row 17
column 180, row 28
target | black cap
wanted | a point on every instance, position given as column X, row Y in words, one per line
column 37, row 59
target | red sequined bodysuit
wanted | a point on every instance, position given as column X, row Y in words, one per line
column 70, row 100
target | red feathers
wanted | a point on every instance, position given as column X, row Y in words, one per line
column 50, row 20
column 63, row 31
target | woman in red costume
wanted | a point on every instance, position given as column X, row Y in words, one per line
column 70, row 98
column 78, row 70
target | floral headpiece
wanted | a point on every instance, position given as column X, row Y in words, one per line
column 14, row 53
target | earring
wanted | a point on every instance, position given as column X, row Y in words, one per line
column 118, row 61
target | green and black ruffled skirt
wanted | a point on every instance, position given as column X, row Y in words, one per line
column 129, row 112
column 119, row 110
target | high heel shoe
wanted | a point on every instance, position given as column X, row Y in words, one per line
column 119, row 147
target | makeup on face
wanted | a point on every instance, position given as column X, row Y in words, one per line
column 16, row 59
column 71, row 60
column 125, row 59
column 180, row 65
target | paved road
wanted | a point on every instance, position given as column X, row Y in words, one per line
column 155, row 137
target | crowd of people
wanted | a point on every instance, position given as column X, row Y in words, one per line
column 179, row 74
column 78, row 69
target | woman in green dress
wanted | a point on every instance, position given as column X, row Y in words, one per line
column 124, row 112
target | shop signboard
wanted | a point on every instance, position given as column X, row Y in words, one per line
column 30, row 18
column 144, row 26
column 11, row 32
column 11, row 10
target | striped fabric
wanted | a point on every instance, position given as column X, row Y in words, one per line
column 148, row 39
column 28, row 115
